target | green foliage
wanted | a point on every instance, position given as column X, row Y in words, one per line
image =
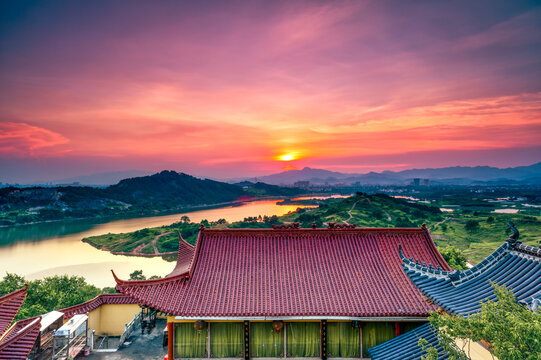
column 471, row 226
column 431, row 352
column 137, row 275
column 454, row 257
column 140, row 196
column 51, row 293
column 513, row 331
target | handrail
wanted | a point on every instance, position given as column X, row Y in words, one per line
column 130, row 327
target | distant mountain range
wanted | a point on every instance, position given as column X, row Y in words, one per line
column 457, row 175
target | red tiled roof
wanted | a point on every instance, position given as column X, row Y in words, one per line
column 18, row 340
column 294, row 272
column 97, row 302
column 9, row 306
column 184, row 259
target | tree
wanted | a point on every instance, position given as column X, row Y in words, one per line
column 185, row 219
column 137, row 275
column 454, row 257
column 471, row 226
column 512, row 329
column 51, row 293
column 490, row 219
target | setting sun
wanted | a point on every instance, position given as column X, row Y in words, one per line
column 287, row 157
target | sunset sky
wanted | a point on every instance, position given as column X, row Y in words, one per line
column 247, row 88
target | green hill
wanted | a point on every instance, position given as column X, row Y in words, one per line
column 140, row 196
column 378, row 210
column 476, row 234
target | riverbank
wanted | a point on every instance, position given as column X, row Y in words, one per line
column 152, row 213
column 47, row 249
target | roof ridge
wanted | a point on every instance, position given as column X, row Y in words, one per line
column 26, row 328
column 10, row 305
column 166, row 279
column 333, row 230
column 528, row 249
column 13, row 293
column 457, row 277
column 99, row 299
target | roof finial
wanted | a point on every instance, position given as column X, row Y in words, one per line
column 201, row 227
column 455, row 275
column 513, row 238
column 314, row 225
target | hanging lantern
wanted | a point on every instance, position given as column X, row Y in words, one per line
column 277, row 325
column 199, row 325
column 355, row 324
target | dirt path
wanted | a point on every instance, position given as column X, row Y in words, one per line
column 137, row 250
column 156, row 252
column 349, row 213
column 386, row 213
column 439, row 223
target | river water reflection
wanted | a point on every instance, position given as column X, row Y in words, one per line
column 47, row 249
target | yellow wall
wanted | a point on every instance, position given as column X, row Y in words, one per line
column 109, row 319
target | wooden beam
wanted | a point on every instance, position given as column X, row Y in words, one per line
column 324, row 339
column 246, row 340
column 170, row 337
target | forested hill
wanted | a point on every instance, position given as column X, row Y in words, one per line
column 140, row 196
column 169, row 189
column 376, row 210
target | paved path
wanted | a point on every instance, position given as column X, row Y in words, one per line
column 142, row 347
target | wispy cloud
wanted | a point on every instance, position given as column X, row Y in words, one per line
column 20, row 139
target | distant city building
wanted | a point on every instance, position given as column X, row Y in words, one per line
column 302, row 184
column 420, row 182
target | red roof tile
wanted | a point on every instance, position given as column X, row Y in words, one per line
column 9, row 306
column 294, row 272
column 97, row 302
column 184, row 259
column 18, row 340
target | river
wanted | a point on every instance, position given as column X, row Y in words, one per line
column 39, row 250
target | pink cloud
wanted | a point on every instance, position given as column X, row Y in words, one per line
column 21, row 139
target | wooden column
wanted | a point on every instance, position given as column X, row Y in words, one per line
column 324, row 339
column 397, row 328
column 246, row 340
column 170, row 337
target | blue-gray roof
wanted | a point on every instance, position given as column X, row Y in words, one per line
column 514, row 265
column 517, row 266
column 405, row 346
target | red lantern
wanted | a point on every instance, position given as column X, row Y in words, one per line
column 277, row 325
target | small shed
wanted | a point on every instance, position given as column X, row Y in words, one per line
column 71, row 338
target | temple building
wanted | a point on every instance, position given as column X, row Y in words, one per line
column 290, row 292
column 515, row 265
